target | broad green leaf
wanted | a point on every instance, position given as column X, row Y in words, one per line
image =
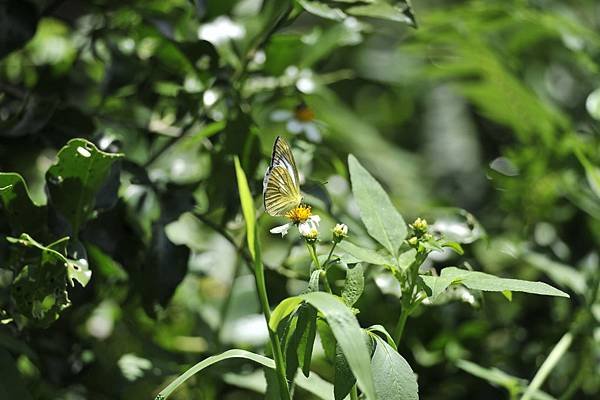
column 382, row 220
column 393, row 376
column 560, row 273
column 486, row 282
column 313, row 283
column 354, row 284
column 247, row 206
column 76, row 179
column 349, row 336
column 23, row 215
column 314, row 384
column 364, row 254
column 327, row 339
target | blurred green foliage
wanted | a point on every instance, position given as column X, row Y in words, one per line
column 487, row 106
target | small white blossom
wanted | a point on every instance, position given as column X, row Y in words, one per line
column 221, row 30
column 283, row 229
column 296, row 125
column 306, row 228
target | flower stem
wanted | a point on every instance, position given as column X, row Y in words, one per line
column 323, row 275
column 330, row 254
column 259, row 273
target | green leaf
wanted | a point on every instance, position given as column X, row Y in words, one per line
column 247, row 206
column 75, row 180
column 345, row 328
column 349, row 336
column 486, row 282
column 23, row 215
column 327, row 339
column 305, row 347
column 314, row 384
column 382, row 220
column 344, row 379
column 382, row 10
column 406, row 259
column 385, row 333
column 364, row 254
column 393, row 376
column 322, row 10
column 354, row 284
column 592, row 173
column 283, row 309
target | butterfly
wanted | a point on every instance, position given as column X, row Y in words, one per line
column 281, row 185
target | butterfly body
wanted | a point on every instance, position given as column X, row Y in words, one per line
column 281, row 185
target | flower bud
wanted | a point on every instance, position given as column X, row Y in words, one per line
column 413, row 241
column 340, row 231
column 419, row 226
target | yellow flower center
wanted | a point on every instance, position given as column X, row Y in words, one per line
column 299, row 214
column 303, row 113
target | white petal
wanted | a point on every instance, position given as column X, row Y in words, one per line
column 283, row 229
column 294, row 126
column 305, row 227
column 315, row 219
column 312, row 132
column 281, row 115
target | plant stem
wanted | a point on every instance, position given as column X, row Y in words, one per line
column 329, row 255
column 399, row 330
column 354, row 393
column 548, row 365
column 323, row 275
column 259, row 273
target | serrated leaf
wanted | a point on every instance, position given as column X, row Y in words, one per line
column 382, row 220
column 75, row 180
column 367, row 255
column 393, row 376
column 486, row 282
column 354, row 284
column 23, row 215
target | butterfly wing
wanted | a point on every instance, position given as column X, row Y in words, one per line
column 281, row 189
column 282, row 155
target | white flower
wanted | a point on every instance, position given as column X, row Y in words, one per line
column 299, row 121
column 283, row 229
column 221, row 30
column 306, row 228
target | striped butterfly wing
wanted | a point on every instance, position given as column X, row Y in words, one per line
column 281, row 189
column 282, row 155
column 280, row 192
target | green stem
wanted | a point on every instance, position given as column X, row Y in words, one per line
column 354, row 393
column 323, row 275
column 548, row 365
column 330, row 254
column 259, row 273
column 399, row 330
